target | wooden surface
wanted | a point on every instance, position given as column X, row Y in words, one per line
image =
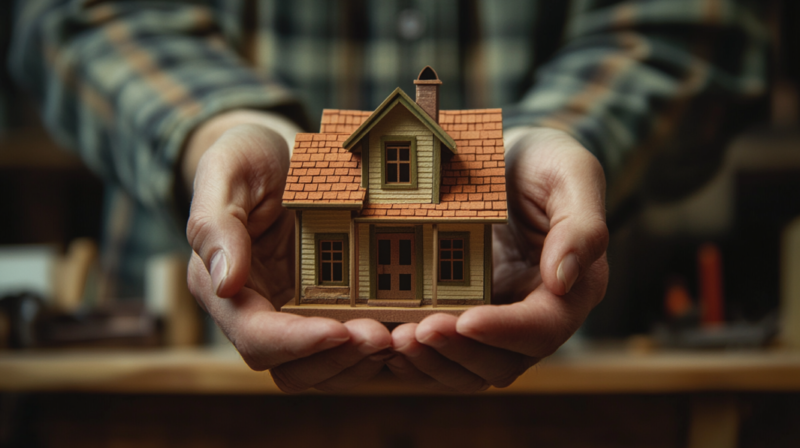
column 412, row 312
column 223, row 371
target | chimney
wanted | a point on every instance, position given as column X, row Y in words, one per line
column 428, row 92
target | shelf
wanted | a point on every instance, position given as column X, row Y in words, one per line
column 206, row 371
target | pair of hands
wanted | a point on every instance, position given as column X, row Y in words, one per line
column 550, row 267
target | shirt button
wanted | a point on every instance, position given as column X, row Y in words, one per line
column 410, row 24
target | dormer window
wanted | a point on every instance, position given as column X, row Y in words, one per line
column 399, row 165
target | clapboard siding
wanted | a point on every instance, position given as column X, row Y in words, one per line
column 318, row 221
column 363, row 261
column 475, row 288
column 399, row 121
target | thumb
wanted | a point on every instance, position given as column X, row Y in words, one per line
column 242, row 175
column 568, row 184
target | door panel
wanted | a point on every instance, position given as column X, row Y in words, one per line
column 396, row 270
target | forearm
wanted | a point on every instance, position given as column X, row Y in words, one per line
column 631, row 73
column 124, row 84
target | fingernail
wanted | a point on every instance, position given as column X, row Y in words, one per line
column 434, row 339
column 568, row 271
column 219, row 269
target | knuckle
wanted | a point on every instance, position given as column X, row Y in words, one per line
column 196, row 229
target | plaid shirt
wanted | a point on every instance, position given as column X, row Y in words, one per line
column 124, row 82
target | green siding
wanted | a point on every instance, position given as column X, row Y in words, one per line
column 400, row 122
column 318, row 221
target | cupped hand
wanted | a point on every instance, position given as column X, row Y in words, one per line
column 242, row 268
column 550, row 270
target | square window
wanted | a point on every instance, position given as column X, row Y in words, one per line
column 453, row 258
column 399, row 169
column 332, row 259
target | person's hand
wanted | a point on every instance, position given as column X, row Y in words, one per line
column 242, row 268
column 550, row 270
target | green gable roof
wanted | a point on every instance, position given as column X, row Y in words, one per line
column 398, row 96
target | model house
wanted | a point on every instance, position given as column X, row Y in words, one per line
column 395, row 208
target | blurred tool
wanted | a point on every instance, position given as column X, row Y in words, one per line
column 73, row 279
column 709, row 264
column 21, row 312
column 703, row 325
column 677, row 300
column 49, row 300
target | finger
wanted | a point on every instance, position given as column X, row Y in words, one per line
column 363, row 371
column 242, row 174
column 499, row 367
column 433, row 364
column 538, row 325
column 558, row 187
column 403, row 369
column 265, row 337
column 367, row 337
column 198, row 280
column 410, row 374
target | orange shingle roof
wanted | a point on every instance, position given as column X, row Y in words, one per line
column 473, row 180
column 342, row 121
column 322, row 172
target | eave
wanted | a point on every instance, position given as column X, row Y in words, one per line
column 400, row 97
column 323, row 205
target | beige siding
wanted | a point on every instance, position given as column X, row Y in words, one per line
column 399, row 121
column 475, row 288
column 319, row 221
column 473, row 291
column 363, row 263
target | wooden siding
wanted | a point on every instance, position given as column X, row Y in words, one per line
column 318, row 221
column 363, row 261
column 401, row 122
column 475, row 290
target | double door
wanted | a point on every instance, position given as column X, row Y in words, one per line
column 396, row 268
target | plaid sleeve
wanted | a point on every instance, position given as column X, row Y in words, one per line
column 123, row 83
column 631, row 74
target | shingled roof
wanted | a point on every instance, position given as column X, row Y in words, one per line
column 473, row 181
column 322, row 172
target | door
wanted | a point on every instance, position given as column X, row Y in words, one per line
column 396, row 270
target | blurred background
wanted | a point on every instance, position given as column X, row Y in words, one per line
column 695, row 343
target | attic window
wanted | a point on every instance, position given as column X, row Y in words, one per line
column 399, row 165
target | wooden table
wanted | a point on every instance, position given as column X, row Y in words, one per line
column 217, row 371
column 715, row 379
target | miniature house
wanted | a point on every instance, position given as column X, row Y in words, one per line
column 394, row 208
